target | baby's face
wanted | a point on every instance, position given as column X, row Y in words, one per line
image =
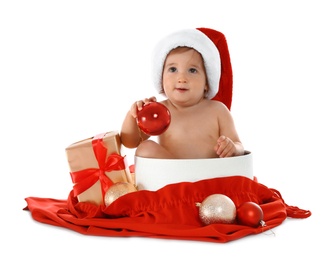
column 184, row 75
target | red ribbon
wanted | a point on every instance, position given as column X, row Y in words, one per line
column 86, row 178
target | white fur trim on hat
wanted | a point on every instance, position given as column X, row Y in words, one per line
column 197, row 40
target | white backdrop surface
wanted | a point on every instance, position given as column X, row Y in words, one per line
column 71, row 69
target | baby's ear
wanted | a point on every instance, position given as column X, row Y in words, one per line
column 206, row 90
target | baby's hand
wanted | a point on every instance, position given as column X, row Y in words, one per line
column 225, row 147
column 137, row 106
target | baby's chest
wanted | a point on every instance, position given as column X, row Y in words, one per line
column 193, row 124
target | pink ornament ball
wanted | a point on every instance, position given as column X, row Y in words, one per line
column 217, row 208
column 117, row 190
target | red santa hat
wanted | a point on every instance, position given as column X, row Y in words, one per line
column 213, row 47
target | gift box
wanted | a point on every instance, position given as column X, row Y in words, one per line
column 96, row 164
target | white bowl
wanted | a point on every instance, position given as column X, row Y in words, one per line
column 153, row 174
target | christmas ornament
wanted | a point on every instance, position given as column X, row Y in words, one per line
column 217, row 208
column 250, row 214
column 117, row 190
column 154, row 118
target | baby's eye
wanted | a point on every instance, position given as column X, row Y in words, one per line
column 193, row 70
column 172, row 69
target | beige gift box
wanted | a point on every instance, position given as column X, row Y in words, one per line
column 81, row 156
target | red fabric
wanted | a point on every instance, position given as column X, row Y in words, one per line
column 170, row 212
column 224, row 94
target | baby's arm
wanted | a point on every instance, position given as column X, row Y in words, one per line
column 130, row 134
column 228, row 143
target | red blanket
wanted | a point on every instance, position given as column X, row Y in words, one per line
column 170, row 212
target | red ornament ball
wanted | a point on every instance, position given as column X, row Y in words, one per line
column 250, row 214
column 217, row 208
column 154, row 118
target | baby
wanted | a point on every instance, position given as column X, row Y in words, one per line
column 187, row 71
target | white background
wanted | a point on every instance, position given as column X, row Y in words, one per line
column 71, row 69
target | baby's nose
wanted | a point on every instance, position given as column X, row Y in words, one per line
column 181, row 79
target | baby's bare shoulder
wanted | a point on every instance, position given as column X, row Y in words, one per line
column 217, row 105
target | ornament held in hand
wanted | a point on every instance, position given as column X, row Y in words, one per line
column 153, row 118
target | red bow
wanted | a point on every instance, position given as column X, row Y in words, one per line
column 86, row 178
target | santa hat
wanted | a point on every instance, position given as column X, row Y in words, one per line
column 213, row 47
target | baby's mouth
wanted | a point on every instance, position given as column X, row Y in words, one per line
column 182, row 89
